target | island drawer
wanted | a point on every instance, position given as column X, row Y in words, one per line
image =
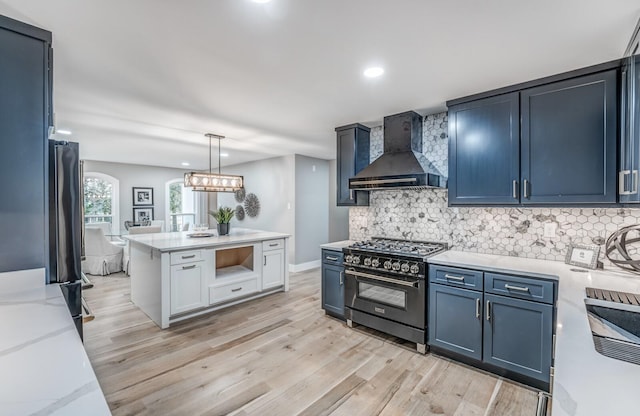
column 233, row 290
column 332, row 257
column 186, row 257
column 272, row 244
column 519, row 287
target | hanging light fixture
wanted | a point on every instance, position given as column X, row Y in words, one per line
column 213, row 182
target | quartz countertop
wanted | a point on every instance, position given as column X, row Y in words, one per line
column 181, row 240
column 586, row 383
column 44, row 368
column 337, row 245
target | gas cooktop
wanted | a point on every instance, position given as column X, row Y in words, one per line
column 389, row 246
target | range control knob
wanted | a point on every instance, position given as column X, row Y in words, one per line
column 414, row 268
column 396, row 266
column 375, row 262
column 387, row 264
column 404, row 267
column 356, row 260
column 367, row 261
column 349, row 258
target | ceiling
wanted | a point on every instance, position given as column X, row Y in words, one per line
column 142, row 81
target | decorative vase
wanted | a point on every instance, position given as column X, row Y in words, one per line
column 223, row 229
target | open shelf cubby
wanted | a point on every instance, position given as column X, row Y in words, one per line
column 234, row 262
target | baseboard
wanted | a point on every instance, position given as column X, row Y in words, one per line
column 295, row 268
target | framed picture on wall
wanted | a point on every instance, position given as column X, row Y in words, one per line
column 142, row 196
column 143, row 214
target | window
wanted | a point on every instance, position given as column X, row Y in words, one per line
column 181, row 210
column 101, row 200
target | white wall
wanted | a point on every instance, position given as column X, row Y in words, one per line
column 137, row 176
column 273, row 182
column 312, row 201
column 338, row 216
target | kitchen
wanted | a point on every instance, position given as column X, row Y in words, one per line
column 498, row 232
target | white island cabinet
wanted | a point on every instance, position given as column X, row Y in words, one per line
column 175, row 277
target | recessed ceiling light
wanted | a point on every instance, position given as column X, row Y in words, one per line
column 65, row 132
column 373, row 72
column 261, row 1
column 224, row 154
column 185, row 163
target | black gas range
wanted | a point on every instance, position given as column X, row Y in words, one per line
column 386, row 286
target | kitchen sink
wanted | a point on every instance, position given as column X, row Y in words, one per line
column 615, row 324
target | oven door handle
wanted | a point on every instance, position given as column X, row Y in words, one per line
column 381, row 278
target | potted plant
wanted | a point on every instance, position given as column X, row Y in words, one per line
column 223, row 216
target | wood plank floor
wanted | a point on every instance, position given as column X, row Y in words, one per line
column 279, row 355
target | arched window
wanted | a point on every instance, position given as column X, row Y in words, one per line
column 181, row 205
column 101, row 200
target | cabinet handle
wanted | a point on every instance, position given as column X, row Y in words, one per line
column 265, row 260
column 634, row 182
column 622, row 189
column 488, row 310
column 237, row 289
column 478, row 308
column 351, row 194
column 525, row 188
column 341, row 278
column 193, row 266
column 456, row 278
column 273, row 245
column 331, row 258
column 189, row 257
column 518, row 288
column 515, row 189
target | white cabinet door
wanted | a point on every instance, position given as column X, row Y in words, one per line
column 272, row 269
column 188, row 288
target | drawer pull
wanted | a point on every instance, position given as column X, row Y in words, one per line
column 456, row 278
column 273, row 245
column 331, row 258
column 189, row 257
column 193, row 266
column 341, row 278
column 478, row 308
column 237, row 289
column 518, row 288
column 488, row 310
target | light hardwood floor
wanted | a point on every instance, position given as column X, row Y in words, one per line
column 279, row 355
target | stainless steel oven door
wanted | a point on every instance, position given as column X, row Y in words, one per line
column 401, row 300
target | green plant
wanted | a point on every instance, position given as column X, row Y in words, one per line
column 223, row 215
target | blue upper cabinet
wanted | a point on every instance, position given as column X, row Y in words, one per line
column 484, row 151
column 352, row 157
column 569, row 139
column 548, row 142
column 630, row 131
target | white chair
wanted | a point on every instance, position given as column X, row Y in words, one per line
column 101, row 256
column 108, row 232
column 137, row 230
column 158, row 223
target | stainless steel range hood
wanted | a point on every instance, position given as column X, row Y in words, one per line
column 402, row 165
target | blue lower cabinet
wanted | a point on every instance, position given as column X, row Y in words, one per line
column 455, row 320
column 518, row 336
column 333, row 289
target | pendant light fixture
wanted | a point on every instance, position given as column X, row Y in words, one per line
column 213, row 182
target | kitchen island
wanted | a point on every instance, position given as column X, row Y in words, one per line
column 175, row 276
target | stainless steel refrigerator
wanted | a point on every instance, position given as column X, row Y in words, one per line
column 65, row 224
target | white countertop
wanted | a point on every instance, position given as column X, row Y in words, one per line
column 181, row 240
column 586, row 382
column 337, row 245
column 44, row 368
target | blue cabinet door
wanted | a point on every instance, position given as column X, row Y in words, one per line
column 569, row 138
column 484, row 151
column 518, row 335
column 24, row 123
column 630, row 131
column 352, row 157
column 333, row 289
column 455, row 320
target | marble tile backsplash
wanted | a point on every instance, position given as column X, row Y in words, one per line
column 424, row 214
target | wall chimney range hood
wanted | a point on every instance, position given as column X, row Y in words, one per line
column 402, row 164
